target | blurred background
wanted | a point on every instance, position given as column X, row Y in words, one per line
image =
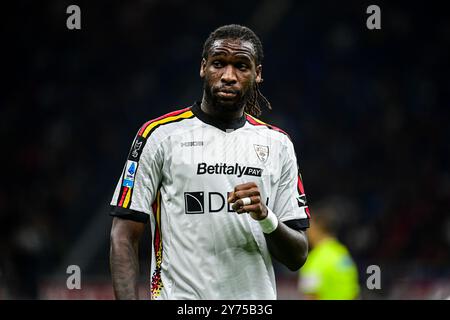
column 367, row 110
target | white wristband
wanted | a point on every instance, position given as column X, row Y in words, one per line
column 269, row 223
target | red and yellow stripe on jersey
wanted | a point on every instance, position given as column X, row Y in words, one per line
column 156, row 281
column 178, row 115
column 146, row 130
column 124, row 199
column 256, row 122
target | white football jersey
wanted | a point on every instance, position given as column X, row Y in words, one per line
column 180, row 169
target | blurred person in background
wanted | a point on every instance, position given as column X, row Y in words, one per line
column 330, row 272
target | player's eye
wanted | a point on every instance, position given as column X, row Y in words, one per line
column 217, row 64
column 242, row 66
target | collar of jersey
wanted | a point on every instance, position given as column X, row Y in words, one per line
column 218, row 123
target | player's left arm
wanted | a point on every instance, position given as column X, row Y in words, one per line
column 284, row 226
column 287, row 245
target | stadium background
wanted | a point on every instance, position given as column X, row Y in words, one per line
column 367, row 111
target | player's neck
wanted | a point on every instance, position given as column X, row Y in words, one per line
column 210, row 110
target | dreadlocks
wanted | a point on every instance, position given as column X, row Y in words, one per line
column 238, row 32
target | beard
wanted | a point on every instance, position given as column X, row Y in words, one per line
column 224, row 105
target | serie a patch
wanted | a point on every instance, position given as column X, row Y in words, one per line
column 130, row 172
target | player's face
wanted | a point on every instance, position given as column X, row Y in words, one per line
column 229, row 74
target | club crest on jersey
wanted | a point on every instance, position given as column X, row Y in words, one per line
column 262, row 152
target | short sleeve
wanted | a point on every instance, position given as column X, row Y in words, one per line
column 290, row 202
column 140, row 179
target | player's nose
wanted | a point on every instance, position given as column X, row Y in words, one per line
column 229, row 75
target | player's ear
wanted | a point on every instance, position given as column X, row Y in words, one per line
column 259, row 78
column 202, row 68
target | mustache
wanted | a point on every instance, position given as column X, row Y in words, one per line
column 226, row 90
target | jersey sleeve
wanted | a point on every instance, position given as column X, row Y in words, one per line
column 290, row 202
column 140, row 179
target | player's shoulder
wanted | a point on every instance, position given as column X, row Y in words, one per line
column 268, row 128
column 163, row 121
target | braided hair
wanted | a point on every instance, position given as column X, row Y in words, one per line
column 235, row 31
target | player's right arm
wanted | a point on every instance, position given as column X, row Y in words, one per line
column 131, row 207
column 124, row 257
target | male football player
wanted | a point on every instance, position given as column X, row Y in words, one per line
column 220, row 189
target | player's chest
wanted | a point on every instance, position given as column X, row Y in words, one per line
column 216, row 153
